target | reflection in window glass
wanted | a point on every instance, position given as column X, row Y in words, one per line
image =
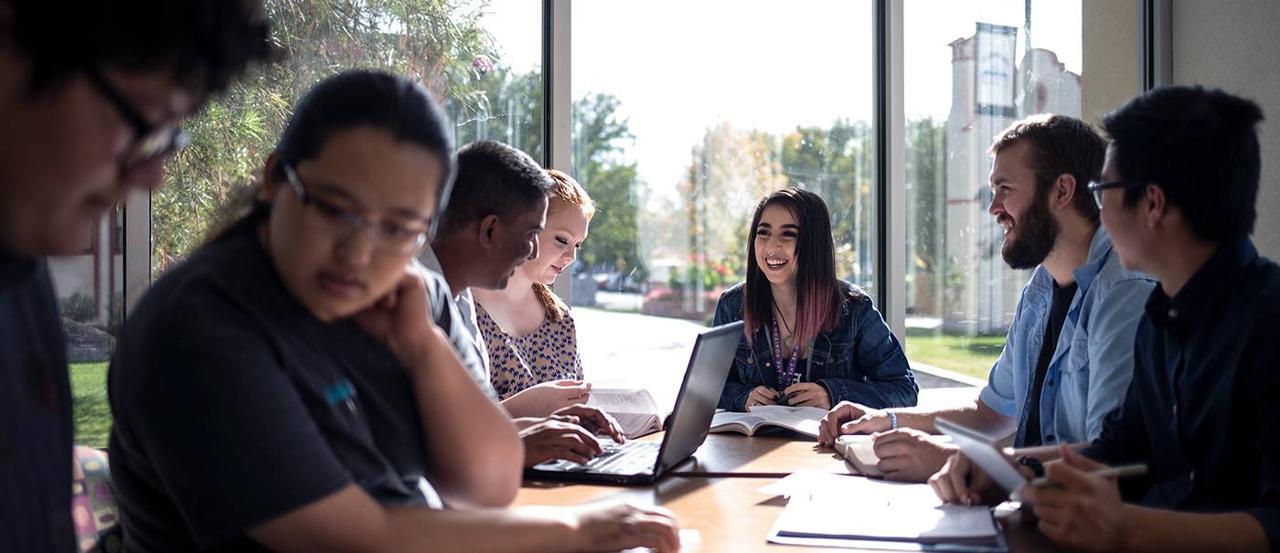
column 972, row 68
column 677, row 140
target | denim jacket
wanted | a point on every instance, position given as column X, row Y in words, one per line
column 1093, row 362
column 860, row 360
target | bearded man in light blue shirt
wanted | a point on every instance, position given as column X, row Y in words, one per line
column 1068, row 355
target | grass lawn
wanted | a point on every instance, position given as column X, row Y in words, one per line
column 971, row 355
column 89, row 402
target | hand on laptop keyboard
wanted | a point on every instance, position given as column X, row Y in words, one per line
column 556, row 439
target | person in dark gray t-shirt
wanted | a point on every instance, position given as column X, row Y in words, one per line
column 91, row 96
column 286, row 389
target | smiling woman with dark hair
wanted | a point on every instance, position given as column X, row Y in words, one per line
column 811, row 339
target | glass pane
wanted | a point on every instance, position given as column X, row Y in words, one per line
column 677, row 140
column 972, row 68
column 90, row 291
column 482, row 58
column 485, row 69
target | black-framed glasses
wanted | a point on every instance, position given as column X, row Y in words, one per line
column 149, row 141
column 1096, row 188
column 387, row 236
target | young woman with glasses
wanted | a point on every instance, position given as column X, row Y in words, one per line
column 811, row 339
column 285, row 387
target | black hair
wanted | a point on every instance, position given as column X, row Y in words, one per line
column 818, row 293
column 493, row 179
column 1059, row 145
column 1199, row 146
column 363, row 98
column 351, row 99
column 203, row 44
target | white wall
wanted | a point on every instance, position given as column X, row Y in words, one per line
column 1235, row 45
column 1110, row 75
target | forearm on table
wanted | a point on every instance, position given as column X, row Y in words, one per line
column 975, row 415
column 472, row 447
column 1159, row 530
column 526, row 529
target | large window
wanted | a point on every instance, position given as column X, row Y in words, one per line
column 972, row 68
column 90, row 290
column 448, row 46
column 483, row 59
column 685, row 114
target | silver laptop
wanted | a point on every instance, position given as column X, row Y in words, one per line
column 644, row 462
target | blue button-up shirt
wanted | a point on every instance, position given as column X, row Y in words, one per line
column 1093, row 362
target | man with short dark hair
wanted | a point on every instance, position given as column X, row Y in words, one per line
column 489, row 227
column 1177, row 193
column 90, row 95
column 1067, row 357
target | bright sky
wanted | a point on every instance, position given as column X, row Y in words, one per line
column 679, row 67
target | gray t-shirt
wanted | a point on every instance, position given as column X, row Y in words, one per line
column 234, row 405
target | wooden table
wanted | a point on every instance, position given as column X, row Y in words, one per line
column 715, row 497
column 723, row 514
column 771, row 455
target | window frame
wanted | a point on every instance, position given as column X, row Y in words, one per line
column 1154, row 56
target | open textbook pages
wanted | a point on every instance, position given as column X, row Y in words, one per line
column 800, row 419
column 859, row 450
column 845, row 511
column 633, row 408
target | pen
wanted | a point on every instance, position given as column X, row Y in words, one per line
column 784, row 399
column 1040, row 450
column 1136, row 469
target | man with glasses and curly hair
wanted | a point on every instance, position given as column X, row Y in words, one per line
column 91, row 96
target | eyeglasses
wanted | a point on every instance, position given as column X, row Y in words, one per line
column 386, row 236
column 149, row 142
column 1097, row 187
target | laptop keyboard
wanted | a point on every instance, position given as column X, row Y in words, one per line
column 628, row 458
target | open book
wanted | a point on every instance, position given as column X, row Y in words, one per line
column 858, row 450
column 800, row 419
column 633, row 408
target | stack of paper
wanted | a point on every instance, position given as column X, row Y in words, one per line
column 851, row 511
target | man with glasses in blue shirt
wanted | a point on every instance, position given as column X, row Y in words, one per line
column 91, row 95
column 1067, row 357
column 1178, row 194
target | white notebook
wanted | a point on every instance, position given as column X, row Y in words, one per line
column 832, row 508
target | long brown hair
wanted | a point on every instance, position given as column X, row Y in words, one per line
column 566, row 193
column 818, row 294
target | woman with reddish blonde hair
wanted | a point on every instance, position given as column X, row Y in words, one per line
column 528, row 329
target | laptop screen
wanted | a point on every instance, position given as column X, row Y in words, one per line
column 709, row 367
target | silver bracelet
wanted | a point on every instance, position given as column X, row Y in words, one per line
column 893, row 420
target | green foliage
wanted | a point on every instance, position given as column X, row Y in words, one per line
column 600, row 139
column 926, row 174
column 732, row 169
column 438, row 43
column 971, row 355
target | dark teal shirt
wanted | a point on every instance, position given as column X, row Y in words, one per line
column 1203, row 410
column 35, row 412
